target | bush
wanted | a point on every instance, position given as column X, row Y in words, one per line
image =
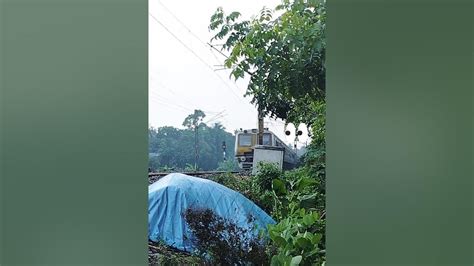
column 237, row 183
column 228, row 165
column 296, row 200
column 153, row 163
column 222, row 241
column 267, row 172
column 297, row 239
column 299, row 234
column 262, row 185
column 160, row 254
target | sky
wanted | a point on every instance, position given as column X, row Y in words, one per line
column 186, row 74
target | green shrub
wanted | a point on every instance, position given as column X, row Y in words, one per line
column 299, row 235
column 161, row 254
column 223, row 242
column 296, row 200
column 262, row 185
column 190, row 168
column 228, row 165
column 297, row 239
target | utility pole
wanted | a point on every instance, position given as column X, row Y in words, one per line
column 193, row 121
column 196, row 153
column 260, row 127
column 223, row 150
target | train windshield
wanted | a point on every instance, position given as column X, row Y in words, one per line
column 245, row 140
column 267, row 139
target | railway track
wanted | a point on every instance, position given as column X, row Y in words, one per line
column 154, row 176
column 197, row 173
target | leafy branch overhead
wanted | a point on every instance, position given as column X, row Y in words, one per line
column 283, row 52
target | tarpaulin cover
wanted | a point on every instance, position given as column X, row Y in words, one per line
column 169, row 197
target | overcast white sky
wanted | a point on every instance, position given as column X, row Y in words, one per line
column 179, row 82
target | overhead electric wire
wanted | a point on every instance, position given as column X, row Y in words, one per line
column 181, row 97
column 166, row 106
column 162, row 103
column 182, row 24
column 218, row 115
column 195, row 54
column 210, row 46
column 167, row 101
column 206, row 44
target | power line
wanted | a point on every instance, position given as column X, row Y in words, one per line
column 182, row 24
column 206, row 44
column 191, row 105
column 159, row 96
column 182, row 98
column 182, row 43
column 165, row 104
column 194, row 53
column 191, row 32
column 215, row 116
column 172, row 103
column 202, row 60
column 162, row 102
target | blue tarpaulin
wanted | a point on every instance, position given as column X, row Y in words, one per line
column 169, row 197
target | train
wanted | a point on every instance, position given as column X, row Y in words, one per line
column 246, row 140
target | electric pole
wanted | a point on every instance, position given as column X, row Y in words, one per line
column 260, row 127
column 223, row 150
column 196, row 122
column 193, row 121
column 196, row 152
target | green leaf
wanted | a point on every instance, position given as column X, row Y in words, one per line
column 308, row 220
column 302, row 212
column 281, row 259
column 279, row 241
column 308, row 201
column 296, row 260
column 279, row 187
column 306, row 182
column 316, row 239
column 304, row 243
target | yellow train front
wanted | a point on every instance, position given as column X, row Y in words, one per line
column 246, row 140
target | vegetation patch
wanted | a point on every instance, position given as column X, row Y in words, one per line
column 161, row 254
column 284, row 57
column 222, row 242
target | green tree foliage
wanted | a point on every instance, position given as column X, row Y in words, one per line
column 194, row 120
column 284, row 56
column 283, row 52
column 173, row 149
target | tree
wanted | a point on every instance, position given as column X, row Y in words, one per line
column 170, row 147
column 194, row 121
column 285, row 60
column 284, row 56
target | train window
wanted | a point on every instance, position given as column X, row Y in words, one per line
column 245, row 140
column 267, row 139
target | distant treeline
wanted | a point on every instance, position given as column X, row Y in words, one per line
column 173, row 149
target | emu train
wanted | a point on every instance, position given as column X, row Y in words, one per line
column 246, row 140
